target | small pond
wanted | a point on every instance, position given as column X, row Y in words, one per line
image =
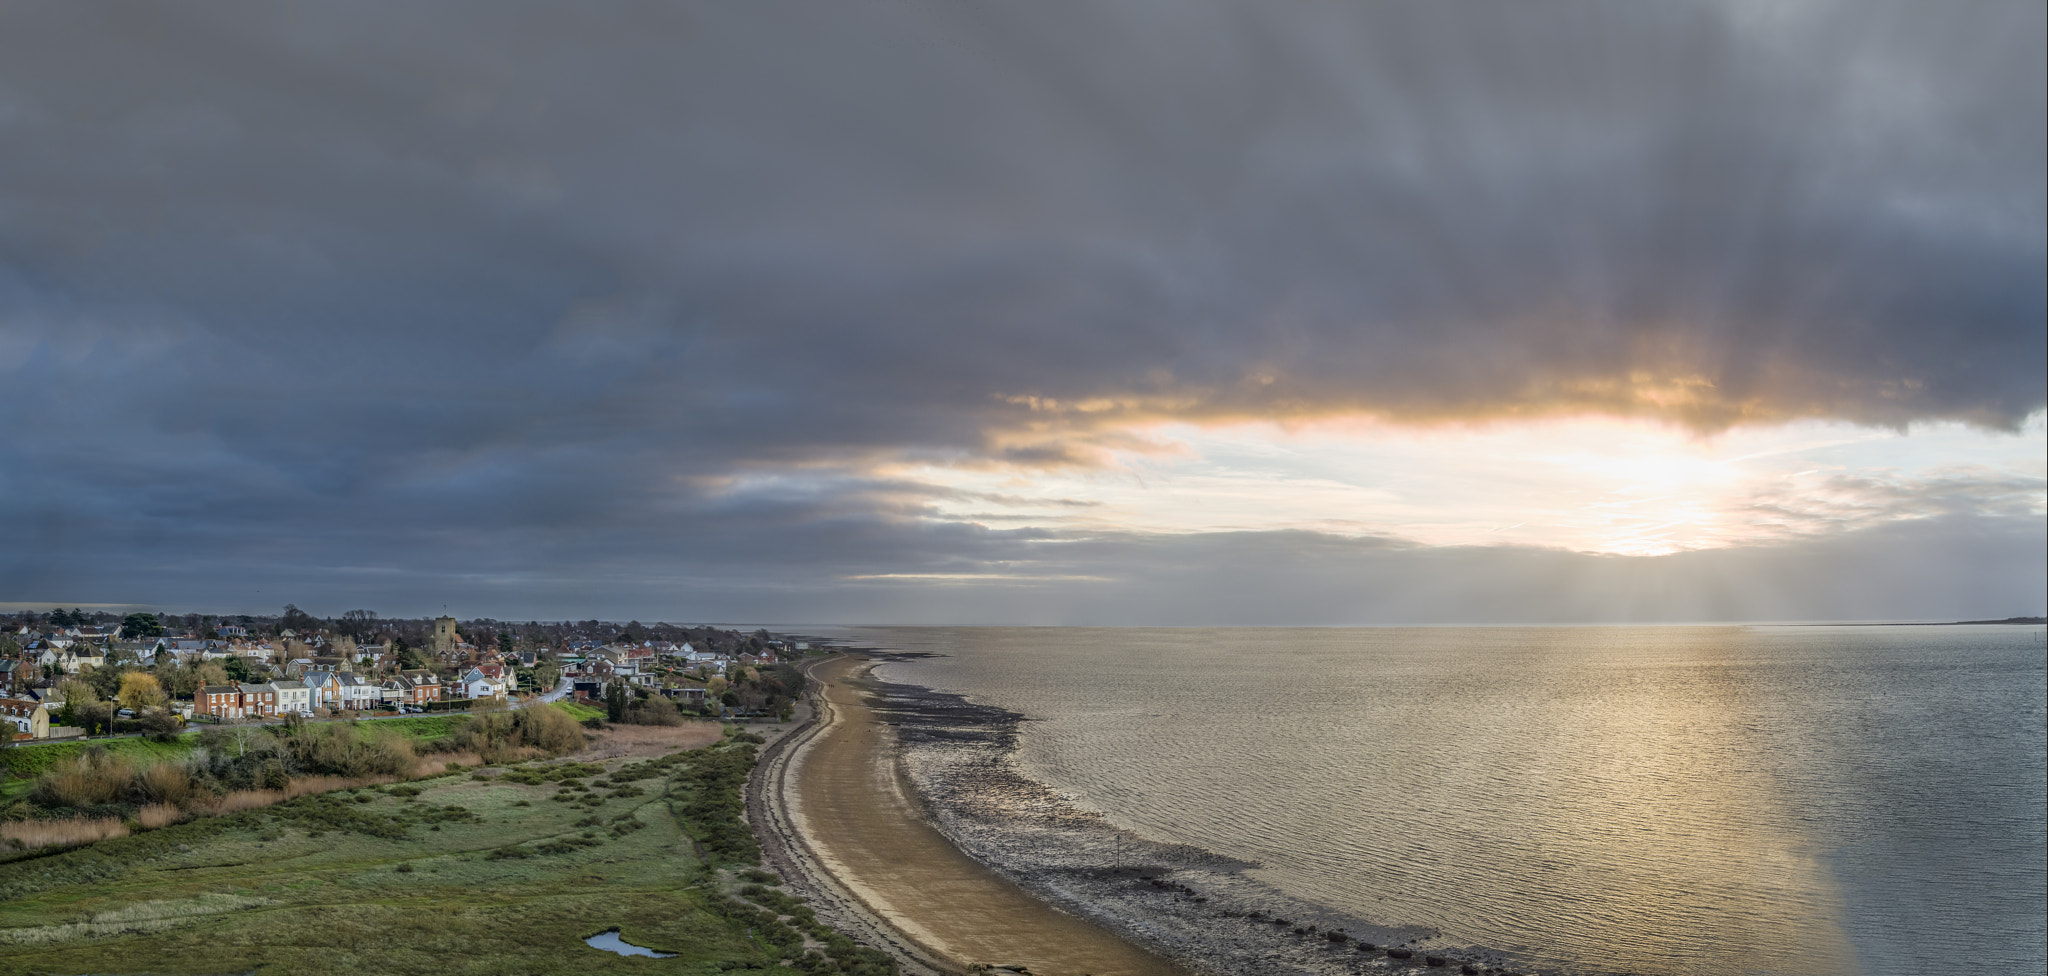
column 609, row 941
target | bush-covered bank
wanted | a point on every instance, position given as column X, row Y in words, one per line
column 32, row 760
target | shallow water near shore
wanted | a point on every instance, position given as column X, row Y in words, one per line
column 1580, row 800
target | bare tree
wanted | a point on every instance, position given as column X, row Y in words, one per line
column 358, row 624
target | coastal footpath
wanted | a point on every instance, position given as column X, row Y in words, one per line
column 836, row 817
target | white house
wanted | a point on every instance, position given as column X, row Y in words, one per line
column 357, row 692
column 475, row 684
column 72, row 659
column 293, row 698
column 27, row 716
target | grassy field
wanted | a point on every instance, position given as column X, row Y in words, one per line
column 579, row 712
column 496, row 871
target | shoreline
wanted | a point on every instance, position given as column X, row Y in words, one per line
column 1204, row 910
column 791, row 855
column 838, row 819
column 937, row 766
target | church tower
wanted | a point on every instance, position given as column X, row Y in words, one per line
column 445, row 637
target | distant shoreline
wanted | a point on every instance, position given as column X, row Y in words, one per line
column 2015, row 621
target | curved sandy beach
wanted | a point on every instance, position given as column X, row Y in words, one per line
column 837, row 818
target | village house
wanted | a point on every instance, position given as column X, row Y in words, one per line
column 72, row 657
column 293, row 698
column 222, row 702
column 30, row 718
column 423, row 685
column 258, row 700
column 475, row 684
column 694, row 656
column 14, row 675
column 322, row 688
column 687, row 694
column 357, row 692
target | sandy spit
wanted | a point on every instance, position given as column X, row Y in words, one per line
column 837, row 817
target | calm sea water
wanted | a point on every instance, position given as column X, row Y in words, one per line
column 1812, row 800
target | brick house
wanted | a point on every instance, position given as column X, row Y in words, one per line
column 422, row 685
column 218, row 701
column 259, row 700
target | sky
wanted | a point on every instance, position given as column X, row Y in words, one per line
column 1147, row 313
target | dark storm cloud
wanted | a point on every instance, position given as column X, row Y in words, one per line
column 562, row 292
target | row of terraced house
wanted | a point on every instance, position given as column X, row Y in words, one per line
column 333, row 690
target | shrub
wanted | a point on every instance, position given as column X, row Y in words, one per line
column 653, row 711
column 167, row 783
column 91, row 778
column 500, row 736
column 159, row 815
column 337, row 749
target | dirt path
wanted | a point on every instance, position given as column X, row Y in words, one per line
column 847, row 823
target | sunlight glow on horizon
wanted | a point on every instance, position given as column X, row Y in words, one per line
column 1602, row 485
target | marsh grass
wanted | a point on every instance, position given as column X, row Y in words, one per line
column 142, row 917
column 456, row 911
column 159, row 815
column 163, row 784
column 28, row 835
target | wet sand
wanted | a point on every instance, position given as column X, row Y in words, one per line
column 851, row 815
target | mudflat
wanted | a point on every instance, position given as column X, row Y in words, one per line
column 862, row 823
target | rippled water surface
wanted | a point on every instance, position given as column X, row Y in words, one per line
column 1662, row 800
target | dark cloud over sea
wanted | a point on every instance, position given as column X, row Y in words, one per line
column 539, row 305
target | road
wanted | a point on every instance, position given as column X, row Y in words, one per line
column 561, row 691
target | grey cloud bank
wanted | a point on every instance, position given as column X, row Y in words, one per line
column 521, row 302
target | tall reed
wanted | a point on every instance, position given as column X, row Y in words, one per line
column 32, row 834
